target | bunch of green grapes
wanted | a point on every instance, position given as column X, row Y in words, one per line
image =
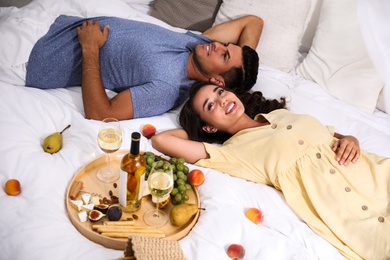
column 180, row 179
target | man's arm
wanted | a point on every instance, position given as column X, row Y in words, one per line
column 242, row 31
column 97, row 105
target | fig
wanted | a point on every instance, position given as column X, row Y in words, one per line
column 95, row 215
column 102, row 208
column 114, row 213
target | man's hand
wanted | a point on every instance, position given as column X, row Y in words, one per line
column 91, row 36
column 347, row 150
column 242, row 31
column 97, row 105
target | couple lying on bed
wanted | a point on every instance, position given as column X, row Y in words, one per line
column 340, row 192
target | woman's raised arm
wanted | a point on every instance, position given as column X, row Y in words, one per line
column 175, row 143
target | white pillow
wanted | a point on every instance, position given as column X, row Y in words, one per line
column 310, row 26
column 338, row 59
column 284, row 22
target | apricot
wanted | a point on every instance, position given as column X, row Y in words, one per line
column 12, row 187
column 148, row 130
column 195, row 177
column 236, row 251
column 255, row 215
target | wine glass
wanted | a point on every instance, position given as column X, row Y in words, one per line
column 109, row 140
column 160, row 184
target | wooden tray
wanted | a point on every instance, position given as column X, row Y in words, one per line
column 91, row 184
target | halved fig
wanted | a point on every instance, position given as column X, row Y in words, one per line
column 95, row 215
column 102, row 208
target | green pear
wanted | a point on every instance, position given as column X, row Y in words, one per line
column 181, row 214
column 53, row 142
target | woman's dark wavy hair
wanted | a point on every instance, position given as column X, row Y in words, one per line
column 242, row 79
column 191, row 122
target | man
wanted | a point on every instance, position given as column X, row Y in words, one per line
column 150, row 67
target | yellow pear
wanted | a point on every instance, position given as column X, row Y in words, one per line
column 181, row 214
column 53, row 142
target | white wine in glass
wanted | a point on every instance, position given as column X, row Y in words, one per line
column 160, row 183
column 109, row 140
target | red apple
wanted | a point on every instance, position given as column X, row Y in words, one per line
column 255, row 215
column 12, row 187
column 195, row 177
column 236, row 251
column 148, row 130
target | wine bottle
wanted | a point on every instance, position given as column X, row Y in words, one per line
column 132, row 177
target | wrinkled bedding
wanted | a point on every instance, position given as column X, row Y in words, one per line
column 35, row 224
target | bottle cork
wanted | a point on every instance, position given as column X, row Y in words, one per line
column 75, row 190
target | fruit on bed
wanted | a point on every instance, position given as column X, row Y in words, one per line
column 181, row 214
column 236, row 251
column 12, row 187
column 255, row 215
column 53, row 142
column 148, row 130
column 196, row 177
column 114, row 213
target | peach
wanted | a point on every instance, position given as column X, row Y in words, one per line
column 148, row 130
column 195, row 177
column 255, row 215
column 12, row 187
column 236, row 251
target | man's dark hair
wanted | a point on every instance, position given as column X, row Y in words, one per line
column 242, row 79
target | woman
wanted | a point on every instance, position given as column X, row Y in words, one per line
column 339, row 191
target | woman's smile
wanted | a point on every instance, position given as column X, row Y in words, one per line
column 230, row 107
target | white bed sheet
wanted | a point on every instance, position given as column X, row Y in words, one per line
column 35, row 224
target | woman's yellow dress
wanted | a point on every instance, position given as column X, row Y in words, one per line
column 347, row 205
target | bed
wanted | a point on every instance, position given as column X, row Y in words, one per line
column 299, row 60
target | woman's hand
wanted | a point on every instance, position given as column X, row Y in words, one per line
column 347, row 149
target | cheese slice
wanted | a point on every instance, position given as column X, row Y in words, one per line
column 95, row 200
column 88, row 207
column 76, row 204
column 83, row 216
column 86, row 197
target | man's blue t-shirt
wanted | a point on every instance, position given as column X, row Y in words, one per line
column 148, row 59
